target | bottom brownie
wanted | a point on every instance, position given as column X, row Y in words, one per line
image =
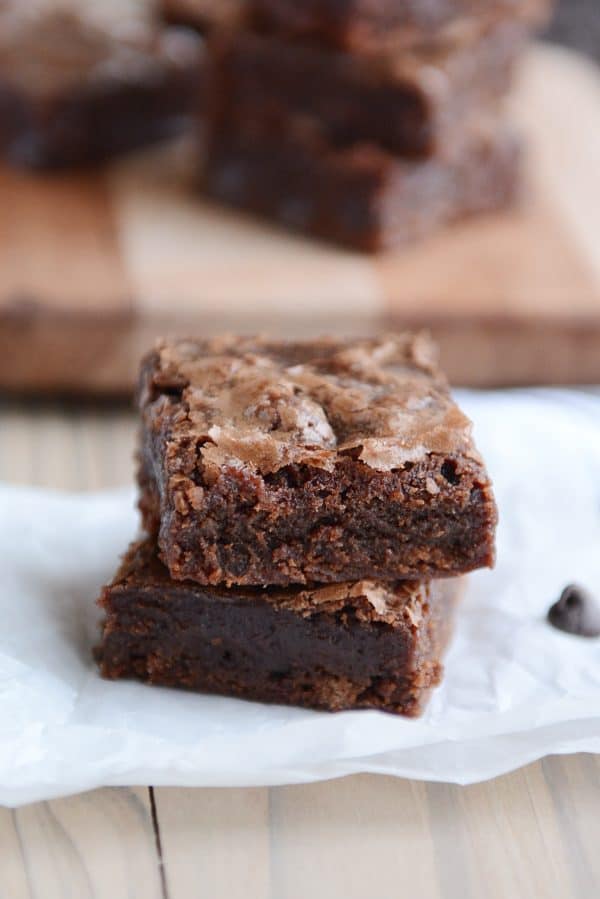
column 361, row 645
column 362, row 197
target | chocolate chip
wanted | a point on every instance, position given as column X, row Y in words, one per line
column 449, row 472
column 576, row 612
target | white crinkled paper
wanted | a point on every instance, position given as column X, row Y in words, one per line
column 515, row 688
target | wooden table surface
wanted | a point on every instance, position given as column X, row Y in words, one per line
column 532, row 834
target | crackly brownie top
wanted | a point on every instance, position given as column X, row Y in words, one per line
column 403, row 602
column 247, row 402
column 46, row 48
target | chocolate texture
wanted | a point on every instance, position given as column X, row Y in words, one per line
column 417, row 103
column 360, row 645
column 576, row 612
column 362, row 197
column 269, row 462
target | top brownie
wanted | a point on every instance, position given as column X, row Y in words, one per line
column 371, row 24
column 272, row 462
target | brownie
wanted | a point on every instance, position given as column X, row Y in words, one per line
column 360, row 645
column 412, row 104
column 74, row 90
column 362, row 197
column 367, row 25
column 205, row 15
column 279, row 462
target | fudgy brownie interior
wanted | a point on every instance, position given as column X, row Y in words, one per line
column 355, row 645
column 267, row 462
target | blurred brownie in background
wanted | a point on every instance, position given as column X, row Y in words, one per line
column 362, row 196
column 416, row 103
column 367, row 122
column 372, row 24
column 76, row 90
column 205, row 15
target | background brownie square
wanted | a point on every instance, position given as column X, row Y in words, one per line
column 267, row 462
column 74, row 90
column 361, row 197
column 361, row 645
column 362, row 25
column 413, row 104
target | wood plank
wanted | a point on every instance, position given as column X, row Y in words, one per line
column 215, row 842
column 67, row 448
column 16, row 442
column 65, row 298
column 59, row 250
column 105, row 444
column 564, row 161
column 100, row 845
column 14, row 876
column 510, row 267
column 493, row 840
column 356, row 837
column 574, row 787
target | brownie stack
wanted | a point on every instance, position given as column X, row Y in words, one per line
column 366, row 122
column 308, row 509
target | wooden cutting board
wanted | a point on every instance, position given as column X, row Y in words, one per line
column 93, row 266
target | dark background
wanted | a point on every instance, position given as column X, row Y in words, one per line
column 577, row 23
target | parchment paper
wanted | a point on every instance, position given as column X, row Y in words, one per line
column 515, row 689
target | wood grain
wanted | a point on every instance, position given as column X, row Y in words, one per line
column 58, row 244
column 93, row 267
column 82, row 847
column 217, row 838
column 332, row 824
column 533, row 833
column 190, row 257
column 502, row 829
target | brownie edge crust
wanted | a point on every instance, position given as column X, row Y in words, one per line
column 273, row 462
column 359, row 645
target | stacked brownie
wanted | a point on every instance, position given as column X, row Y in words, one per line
column 368, row 122
column 80, row 83
column 308, row 510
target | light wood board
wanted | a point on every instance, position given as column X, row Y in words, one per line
column 93, row 266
